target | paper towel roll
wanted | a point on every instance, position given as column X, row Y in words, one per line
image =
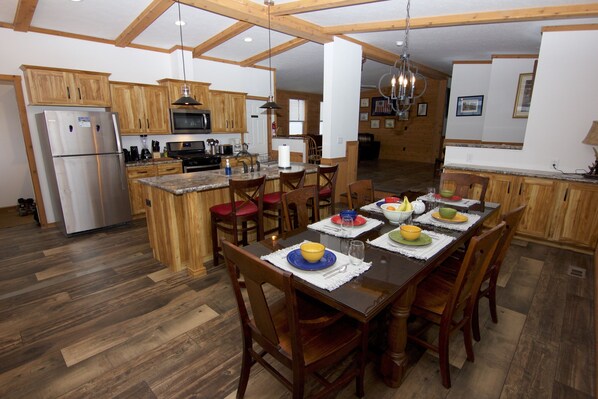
column 284, row 156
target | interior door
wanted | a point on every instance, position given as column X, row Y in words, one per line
column 257, row 127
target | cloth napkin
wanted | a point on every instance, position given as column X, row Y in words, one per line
column 373, row 208
column 329, row 278
column 427, row 218
column 439, row 241
column 326, row 226
column 464, row 202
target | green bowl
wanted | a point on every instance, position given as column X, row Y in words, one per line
column 447, row 193
column 447, row 213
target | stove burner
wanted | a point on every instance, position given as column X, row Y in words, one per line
column 193, row 155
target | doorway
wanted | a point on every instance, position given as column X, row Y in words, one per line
column 257, row 127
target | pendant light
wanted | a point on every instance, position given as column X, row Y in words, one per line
column 270, row 104
column 185, row 99
column 403, row 78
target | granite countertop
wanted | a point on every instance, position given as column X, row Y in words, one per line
column 483, row 145
column 212, row 179
column 152, row 162
column 523, row 172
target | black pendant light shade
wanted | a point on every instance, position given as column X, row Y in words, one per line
column 185, row 98
column 270, row 104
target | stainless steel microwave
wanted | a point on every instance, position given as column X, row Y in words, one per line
column 190, row 121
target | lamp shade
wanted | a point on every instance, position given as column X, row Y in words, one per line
column 592, row 137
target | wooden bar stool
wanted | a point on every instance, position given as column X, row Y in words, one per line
column 273, row 201
column 326, row 186
column 248, row 207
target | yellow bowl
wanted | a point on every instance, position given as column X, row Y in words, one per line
column 312, row 251
column 410, row 232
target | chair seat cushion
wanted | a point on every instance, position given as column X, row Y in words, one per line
column 272, row 198
column 226, row 209
column 325, row 192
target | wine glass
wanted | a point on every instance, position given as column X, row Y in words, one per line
column 431, row 198
column 356, row 252
column 347, row 224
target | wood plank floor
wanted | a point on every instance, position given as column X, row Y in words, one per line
column 95, row 316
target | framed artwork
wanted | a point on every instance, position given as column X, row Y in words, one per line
column 363, row 116
column 422, row 109
column 381, row 107
column 404, row 116
column 375, row 123
column 524, row 95
column 470, row 105
column 389, row 123
column 364, row 102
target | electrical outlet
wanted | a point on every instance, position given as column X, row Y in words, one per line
column 554, row 164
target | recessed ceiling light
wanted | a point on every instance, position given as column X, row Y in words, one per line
column 76, row 1
column 180, row 23
column 247, row 39
column 399, row 42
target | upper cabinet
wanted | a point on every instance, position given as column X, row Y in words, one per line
column 142, row 109
column 52, row 86
column 228, row 112
column 200, row 91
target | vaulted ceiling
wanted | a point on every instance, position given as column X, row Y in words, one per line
column 442, row 31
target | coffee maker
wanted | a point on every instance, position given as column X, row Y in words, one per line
column 134, row 153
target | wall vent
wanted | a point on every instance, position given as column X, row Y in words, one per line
column 575, row 271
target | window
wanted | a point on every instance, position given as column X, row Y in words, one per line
column 296, row 116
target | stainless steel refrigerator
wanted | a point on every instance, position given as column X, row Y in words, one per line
column 86, row 169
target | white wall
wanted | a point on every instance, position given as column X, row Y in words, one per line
column 342, row 77
column 468, row 80
column 564, row 105
column 499, row 124
column 124, row 64
column 16, row 180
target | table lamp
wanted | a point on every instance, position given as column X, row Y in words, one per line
column 592, row 139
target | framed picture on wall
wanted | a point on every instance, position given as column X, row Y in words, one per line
column 364, row 102
column 381, row 107
column 389, row 123
column 422, row 109
column 375, row 123
column 363, row 116
column 470, row 105
column 524, row 95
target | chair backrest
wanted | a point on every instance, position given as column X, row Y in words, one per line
column 360, row 193
column 259, row 324
column 296, row 205
column 465, row 184
column 327, row 177
column 314, row 153
column 511, row 219
column 248, row 192
column 477, row 258
column 290, row 181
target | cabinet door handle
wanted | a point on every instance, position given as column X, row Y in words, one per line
column 142, row 172
column 227, row 124
column 232, row 124
column 68, row 92
column 509, row 188
column 566, row 194
column 520, row 189
column 147, row 121
column 139, row 123
column 79, row 90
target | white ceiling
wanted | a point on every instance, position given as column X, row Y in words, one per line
column 301, row 68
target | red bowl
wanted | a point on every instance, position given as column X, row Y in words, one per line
column 391, row 200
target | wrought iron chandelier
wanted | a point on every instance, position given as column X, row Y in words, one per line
column 403, row 78
column 270, row 104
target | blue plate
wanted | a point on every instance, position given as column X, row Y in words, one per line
column 296, row 259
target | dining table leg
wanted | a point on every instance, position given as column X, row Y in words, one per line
column 394, row 360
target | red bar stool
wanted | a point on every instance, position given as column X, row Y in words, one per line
column 248, row 207
column 289, row 181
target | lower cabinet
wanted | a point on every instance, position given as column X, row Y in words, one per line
column 557, row 211
column 134, row 173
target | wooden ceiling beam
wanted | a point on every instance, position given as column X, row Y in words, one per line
column 275, row 51
column 24, row 15
column 216, row 40
column 253, row 13
column 301, row 6
column 477, row 18
column 141, row 23
column 386, row 57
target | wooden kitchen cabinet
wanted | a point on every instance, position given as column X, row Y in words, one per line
column 228, row 112
column 142, row 109
column 576, row 215
column 199, row 91
column 52, row 86
column 134, row 173
column 540, row 197
column 500, row 190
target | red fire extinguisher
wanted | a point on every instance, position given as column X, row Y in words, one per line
column 273, row 128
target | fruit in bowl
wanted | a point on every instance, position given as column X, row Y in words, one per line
column 447, row 213
column 312, row 251
column 393, row 213
column 447, row 193
column 410, row 232
column 348, row 213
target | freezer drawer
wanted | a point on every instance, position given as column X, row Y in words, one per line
column 93, row 191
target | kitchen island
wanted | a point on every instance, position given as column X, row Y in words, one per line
column 178, row 211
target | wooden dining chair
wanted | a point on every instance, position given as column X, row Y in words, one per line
column 360, row 193
column 465, row 185
column 305, row 337
column 296, row 206
column 246, row 205
column 273, row 201
column 326, row 186
column 449, row 304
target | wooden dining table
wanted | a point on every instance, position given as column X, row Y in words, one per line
column 390, row 283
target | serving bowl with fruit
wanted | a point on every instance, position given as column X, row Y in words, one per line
column 397, row 213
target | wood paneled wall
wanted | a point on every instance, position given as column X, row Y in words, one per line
column 417, row 139
column 312, row 111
